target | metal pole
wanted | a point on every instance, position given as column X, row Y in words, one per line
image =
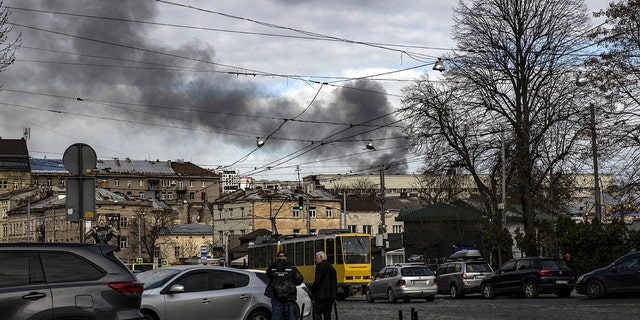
column 139, row 237
column 594, row 149
column 29, row 218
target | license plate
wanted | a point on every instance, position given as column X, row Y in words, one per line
column 562, row 281
column 420, row 282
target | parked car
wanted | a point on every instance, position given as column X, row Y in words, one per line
column 462, row 273
column 303, row 300
column 621, row 276
column 66, row 281
column 402, row 281
column 529, row 277
column 203, row 292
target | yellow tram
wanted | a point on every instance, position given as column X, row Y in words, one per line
column 349, row 253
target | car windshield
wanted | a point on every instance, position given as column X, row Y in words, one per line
column 157, row 277
column 416, row 271
column 478, row 267
column 553, row 264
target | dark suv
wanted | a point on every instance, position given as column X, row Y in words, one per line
column 66, row 281
column 621, row 276
column 529, row 277
column 462, row 273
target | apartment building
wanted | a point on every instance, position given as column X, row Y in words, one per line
column 15, row 169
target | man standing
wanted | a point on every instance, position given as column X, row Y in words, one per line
column 324, row 288
column 283, row 279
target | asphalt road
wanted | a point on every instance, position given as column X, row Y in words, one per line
column 547, row 307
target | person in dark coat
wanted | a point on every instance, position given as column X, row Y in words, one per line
column 324, row 288
column 283, row 279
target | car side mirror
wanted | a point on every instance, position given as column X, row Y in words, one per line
column 176, row 288
column 613, row 268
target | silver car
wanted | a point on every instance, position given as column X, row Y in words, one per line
column 402, row 281
column 203, row 292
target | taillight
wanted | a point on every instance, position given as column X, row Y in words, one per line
column 401, row 282
column 544, row 272
column 128, row 288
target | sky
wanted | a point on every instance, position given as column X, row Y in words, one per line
column 204, row 81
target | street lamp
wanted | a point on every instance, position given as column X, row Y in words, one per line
column 582, row 81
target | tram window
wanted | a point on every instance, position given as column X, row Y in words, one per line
column 299, row 253
column 339, row 253
column 356, row 249
column 290, row 252
column 319, row 246
column 309, row 254
column 330, row 247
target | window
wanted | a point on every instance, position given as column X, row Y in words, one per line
column 124, row 243
column 397, row 228
column 13, row 270
column 116, row 182
column 296, row 212
column 192, row 195
column 230, row 212
column 176, row 251
column 312, row 212
column 352, row 228
column 49, row 182
column 366, row 229
column 195, row 282
column 123, row 222
column 329, row 212
column 128, row 182
column 203, row 196
column 296, row 231
column 192, row 183
column 66, row 267
column 141, row 182
column 203, row 184
column 242, row 213
column 141, row 195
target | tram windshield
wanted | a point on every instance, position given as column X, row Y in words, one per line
column 356, row 249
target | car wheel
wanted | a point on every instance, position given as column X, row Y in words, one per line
column 391, row 297
column 487, row 291
column 259, row 315
column 370, row 298
column 530, row 291
column 594, row 289
column 454, row 292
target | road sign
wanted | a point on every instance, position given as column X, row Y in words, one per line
column 81, row 198
column 79, row 159
column 203, row 253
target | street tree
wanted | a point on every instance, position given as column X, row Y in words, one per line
column 510, row 82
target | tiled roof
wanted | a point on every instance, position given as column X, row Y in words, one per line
column 188, row 168
column 48, row 165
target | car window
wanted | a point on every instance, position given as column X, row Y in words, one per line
column 416, row 271
column 631, row 263
column 523, row 264
column 393, row 273
column 194, row 282
column 66, row 267
column 450, row 268
column 223, row 279
column 12, row 269
column 508, row 266
column 441, row 270
column 457, row 267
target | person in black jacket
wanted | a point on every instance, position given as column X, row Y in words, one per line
column 283, row 279
column 324, row 288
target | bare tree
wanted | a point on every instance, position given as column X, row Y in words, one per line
column 615, row 74
column 148, row 227
column 439, row 187
column 363, row 185
column 9, row 45
column 511, row 83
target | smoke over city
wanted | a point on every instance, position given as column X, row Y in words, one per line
column 112, row 84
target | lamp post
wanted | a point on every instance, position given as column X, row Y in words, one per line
column 582, row 81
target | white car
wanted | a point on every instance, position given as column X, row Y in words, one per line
column 303, row 300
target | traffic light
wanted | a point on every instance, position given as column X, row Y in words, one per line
column 300, row 203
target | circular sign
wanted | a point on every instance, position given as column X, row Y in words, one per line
column 80, row 159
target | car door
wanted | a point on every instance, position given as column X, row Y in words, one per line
column 189, row 297
column 503, row 279
column 627, row 275
column 377, row 285
column 232, row 296
column 23, row 292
